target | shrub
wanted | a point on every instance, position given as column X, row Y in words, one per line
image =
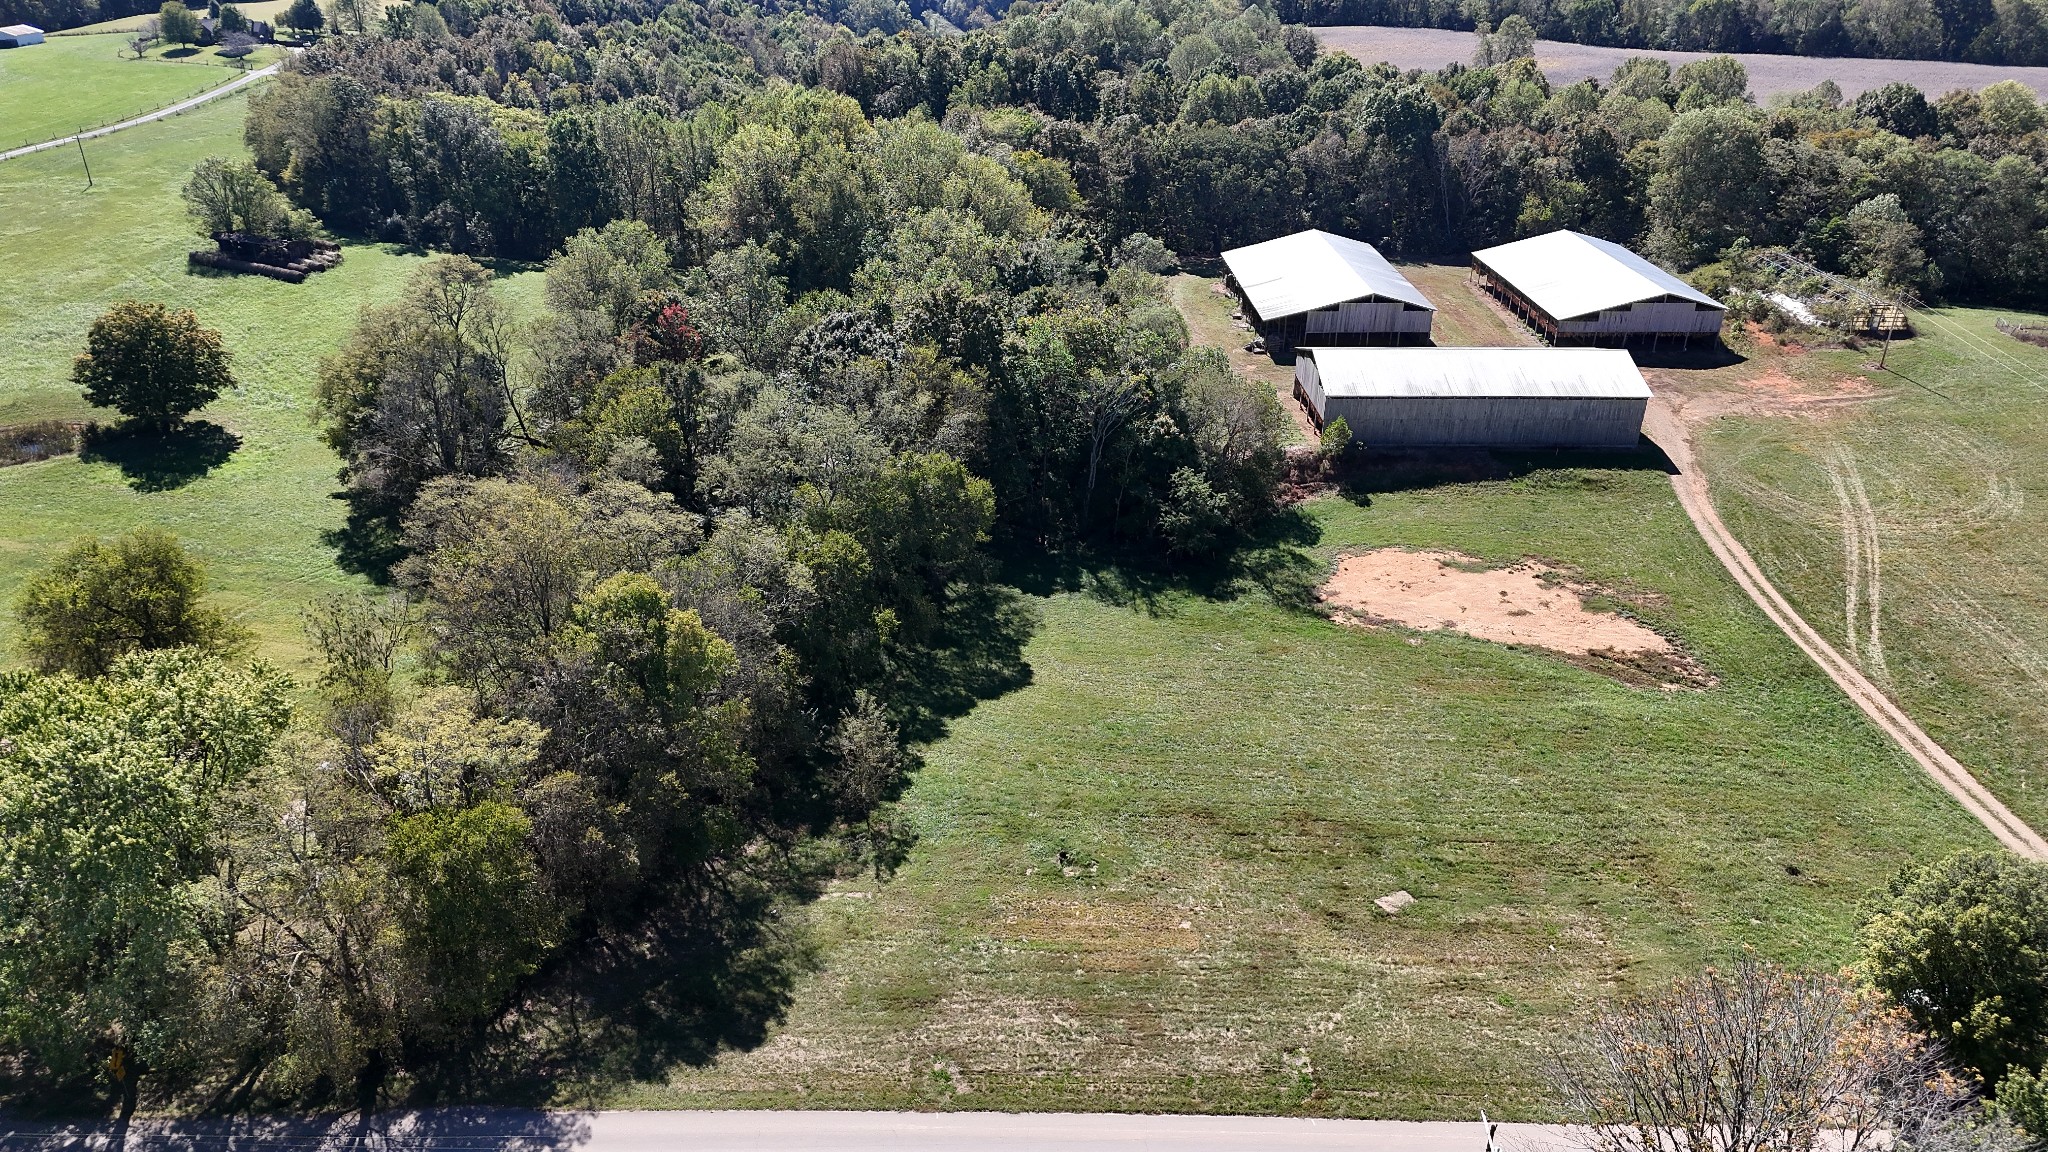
column 103, row 600
column 1963, row 945
column 1763, row 1058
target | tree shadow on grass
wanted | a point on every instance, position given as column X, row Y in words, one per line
column 978, row 655
column 713, row 971
column 158, row 461
column 1366, row 474
column 367, row 544
column 1272, row 559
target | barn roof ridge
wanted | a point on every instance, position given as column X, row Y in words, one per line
column 1477, row 372
column 1570, row 274
column 1304, row 271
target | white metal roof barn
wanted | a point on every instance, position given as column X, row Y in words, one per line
column 1476, row 397
column 1575, row 288
column 1317, row 287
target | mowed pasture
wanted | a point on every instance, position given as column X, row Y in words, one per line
column 1145, row 881
column 260, row 10
column 67, row 83
column 253, row 498
column 1910, row 501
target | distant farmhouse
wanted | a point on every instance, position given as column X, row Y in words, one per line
column 20, row 36
column 1476, row 397
column 1316, row 288
column 258, row 29
column 1578, row 289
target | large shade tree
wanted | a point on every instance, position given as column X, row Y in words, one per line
column 151, row 364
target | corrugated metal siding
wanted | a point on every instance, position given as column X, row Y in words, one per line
column 1476, row 397
column 1489, row 421
column 1309, row 384
column 1647, row 319
column 1368, row 317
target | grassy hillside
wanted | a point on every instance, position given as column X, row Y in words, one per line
column 260, row 10
column 1145, row 880
column 1232, row 783
column 66, row 83
column 1933, row 469
column 256, row 516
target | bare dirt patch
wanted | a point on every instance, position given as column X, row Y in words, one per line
column 1523, row 604
column 1780, row 382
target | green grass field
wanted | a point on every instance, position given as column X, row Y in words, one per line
column 1933, row 468
column 1233, row 783
column 66, row 83
column 257, row 518
column 260, row 10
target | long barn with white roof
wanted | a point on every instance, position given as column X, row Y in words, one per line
column 1317, row 288
column 1575, row 289
column 1476, row 397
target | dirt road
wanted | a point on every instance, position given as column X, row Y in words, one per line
column 1665, row 426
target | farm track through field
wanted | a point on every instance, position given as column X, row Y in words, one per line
column 1863, row 580
column 1667, row 427
column 235, row 85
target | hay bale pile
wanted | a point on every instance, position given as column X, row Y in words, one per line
column 288, row 260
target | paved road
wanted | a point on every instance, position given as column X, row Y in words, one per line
column 505, row 1130
column 1667, row 427
column 235, row 85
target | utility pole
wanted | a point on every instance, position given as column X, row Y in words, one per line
column 80, row 141
column 1890, row 327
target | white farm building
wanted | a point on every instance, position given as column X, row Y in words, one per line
column 1578, row 289
column 1316, row 288
column 20, row 35
column 1476, row 397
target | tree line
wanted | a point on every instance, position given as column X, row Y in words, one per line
column 681, row 572
column 1206, row 125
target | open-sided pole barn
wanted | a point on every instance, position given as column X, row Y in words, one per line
column 1578, row 289
column 1476, row 397
column 1313, row 287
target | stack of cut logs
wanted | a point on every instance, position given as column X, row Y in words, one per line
column 288, row 260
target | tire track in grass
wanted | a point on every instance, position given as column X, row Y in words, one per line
column 1863, row 577
column 1667, row 428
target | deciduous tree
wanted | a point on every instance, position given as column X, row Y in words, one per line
column 108, row 941
column 1963, row 945
column 103, row 600
column 151, row 364
column 177, row 24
